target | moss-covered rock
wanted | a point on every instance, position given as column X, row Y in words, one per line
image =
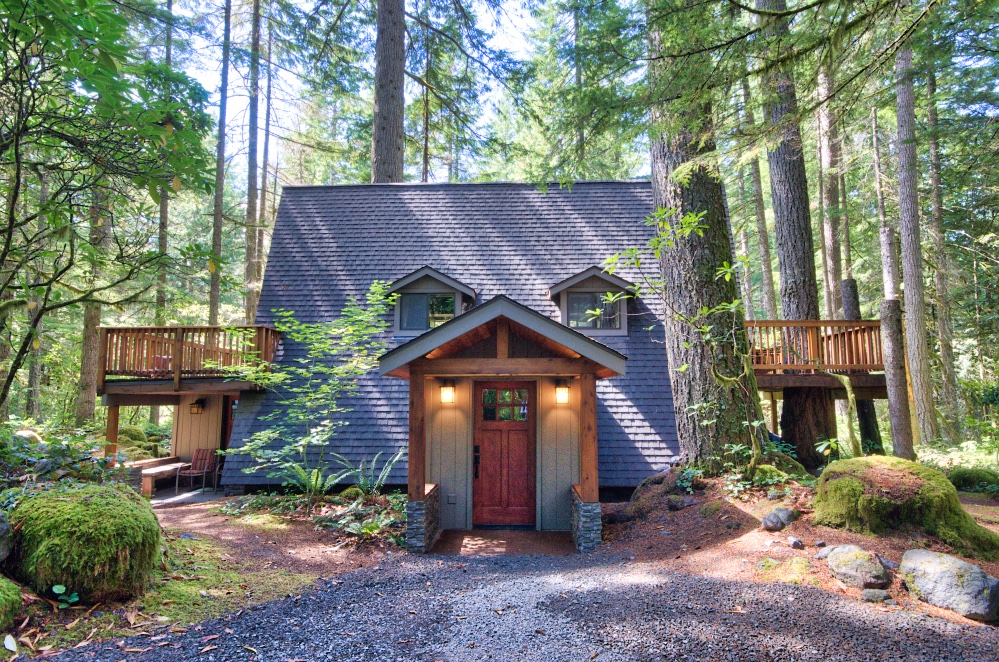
column 787, row 464
column 969, row 479
column 100, row 541
column 767, row 474
column 10, row 603
column 874, row 494
column 352, row 493
column 133, row 432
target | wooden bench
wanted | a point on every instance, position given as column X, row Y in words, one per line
column 150, row 475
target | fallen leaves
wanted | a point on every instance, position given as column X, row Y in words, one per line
column 209, row 647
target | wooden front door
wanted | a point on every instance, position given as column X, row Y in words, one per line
column 503, row 463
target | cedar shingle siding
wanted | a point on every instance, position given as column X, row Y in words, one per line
column 331, row 242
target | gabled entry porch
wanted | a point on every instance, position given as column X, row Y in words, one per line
column 502, row 424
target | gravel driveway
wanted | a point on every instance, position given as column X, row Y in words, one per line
column 558, row 608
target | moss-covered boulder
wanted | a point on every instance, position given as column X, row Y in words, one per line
column 133, row 433
column 874, row 494
column 10, row 603
column 787, row 464
column 767, row 474
column 352, row 493
column 970, row 479
column 100, row 541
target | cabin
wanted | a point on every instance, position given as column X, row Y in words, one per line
column 515, row 404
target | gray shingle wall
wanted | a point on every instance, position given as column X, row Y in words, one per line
column 330, row 243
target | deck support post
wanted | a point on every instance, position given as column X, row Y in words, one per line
column 417, row 459
column 588, row 480
column 111, row 432
column 895, row 378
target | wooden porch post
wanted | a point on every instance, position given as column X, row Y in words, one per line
column 111, row 432
column 417, row 434
column 589, row 488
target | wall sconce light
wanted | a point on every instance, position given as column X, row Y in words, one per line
column 561, row 392
column 197, row 406
column 447, row 391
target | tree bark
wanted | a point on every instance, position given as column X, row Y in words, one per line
column 893, row 344
column 253, row 128
column 388, row 137
column 86, row 393
column 766, row 261
column 689, row 266
column 912, row 252
column 867, row 416
column 33, row 394
column 829, row 150
column 889, row 255
column 263, row 219
column 949, row 400
column 218, row 202
column 845, row 228
column 747, row 279
column 806, row 414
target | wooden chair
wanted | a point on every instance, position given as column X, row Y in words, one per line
column 203, row 464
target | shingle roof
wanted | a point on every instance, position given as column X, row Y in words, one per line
column 332, row 242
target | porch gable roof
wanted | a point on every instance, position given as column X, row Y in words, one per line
column 394, row 362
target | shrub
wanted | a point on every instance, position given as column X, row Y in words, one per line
column 873, row 494
column 10, row 603
column 972, row 479
column 24, row 459
column 99, row 541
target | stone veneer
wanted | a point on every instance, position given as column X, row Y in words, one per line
column 423, row 521
column 586, row 523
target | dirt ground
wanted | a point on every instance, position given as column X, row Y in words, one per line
column 286, row 544
column 730, row 544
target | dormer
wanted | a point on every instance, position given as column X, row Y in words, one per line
column 427, row 299
column 578, row 296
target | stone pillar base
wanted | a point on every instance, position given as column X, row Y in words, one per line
column 423, row 521
column 586, row 523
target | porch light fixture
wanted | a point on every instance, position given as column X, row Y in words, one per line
column 447, row 391
column 561, row 392
column 197, row 406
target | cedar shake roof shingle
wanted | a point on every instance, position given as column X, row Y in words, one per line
column 332, row 242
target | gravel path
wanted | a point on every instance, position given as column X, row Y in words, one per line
column 558, row 608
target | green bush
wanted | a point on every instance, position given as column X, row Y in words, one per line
column 971, row 479
column 767, row 474
column 133, row 433
column 877, row 493
column 99, row 541
column 10, row 603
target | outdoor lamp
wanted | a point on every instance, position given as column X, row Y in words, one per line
column 447, row 391
column 197, row 406
column 561, row 392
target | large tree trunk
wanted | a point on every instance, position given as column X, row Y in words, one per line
column 829, row 150
column 949, row 401
column 253, row 129
column 33, row 394
column 766, row 262
column 888, row 240
column 808, row 414
column 689, row 267
column 912, row 251
column 388, row 137
column 218, row 201
column 892, row 341
column 867, row 416
column 263, row 220
column 86, row 394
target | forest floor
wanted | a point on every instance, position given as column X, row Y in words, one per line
column 710, row 582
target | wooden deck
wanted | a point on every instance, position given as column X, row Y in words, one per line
column 165, row 359
column 789, row 354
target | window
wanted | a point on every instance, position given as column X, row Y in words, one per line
column 581, row 307
column 505, row 404
column 419, row 312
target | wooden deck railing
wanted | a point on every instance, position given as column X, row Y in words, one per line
column 811, row 346
column 180, row 352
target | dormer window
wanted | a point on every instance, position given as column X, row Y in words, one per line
column 588, row 303
column 428, row 299
column 421, row 312
column 592, row 310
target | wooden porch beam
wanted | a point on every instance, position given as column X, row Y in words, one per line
column 502, row 339
column 503, row 367
column 417, row 435
column 111, row 432
column 589, row 486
